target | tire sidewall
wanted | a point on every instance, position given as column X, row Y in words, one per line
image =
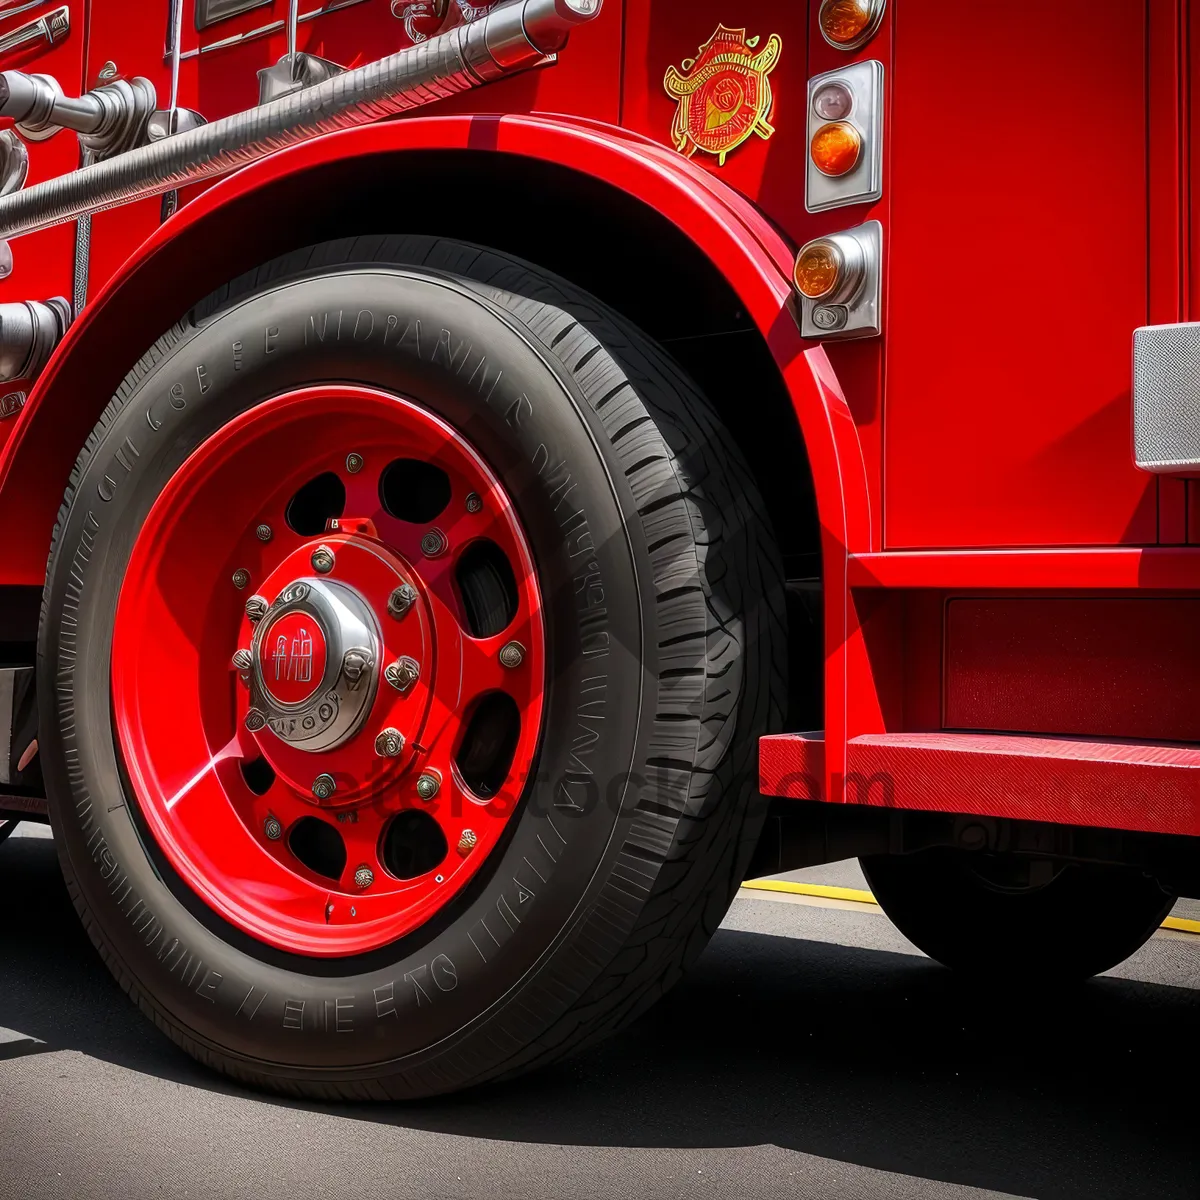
column 436, row 342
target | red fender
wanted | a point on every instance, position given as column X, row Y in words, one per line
column 243, row 220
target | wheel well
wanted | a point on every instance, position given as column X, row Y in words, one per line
column 638, row 262
column 635, row 260
column 632, row 258
column 587, row 230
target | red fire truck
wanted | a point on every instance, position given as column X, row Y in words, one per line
column 430, row 544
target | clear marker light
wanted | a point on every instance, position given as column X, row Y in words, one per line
column 833, row 101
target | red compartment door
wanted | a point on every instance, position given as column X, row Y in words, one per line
column 1017, row 273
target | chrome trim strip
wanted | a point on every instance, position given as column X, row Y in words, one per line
column 266, row 30
column 174, row 41
column 83, row 263
column 82, row 267
column 462, row 58
column 293, row 19
column 6, row 12
column 50, row 29
column 212, row 12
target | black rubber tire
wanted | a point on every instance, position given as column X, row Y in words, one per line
column 1082, row 922
column 665, row 618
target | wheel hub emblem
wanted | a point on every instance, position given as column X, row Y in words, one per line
column 294, row 650
column 315, row 664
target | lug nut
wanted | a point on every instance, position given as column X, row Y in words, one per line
column 512, row 655
column 474, row 503
column 390, row 743
column 403, row 673
column 355, row 664
column 468, row 842
column 354, row 463
column 255, row 720
column 256, row 608
column 272, row 829
column 428, row 785
column 363, row 878
column 323, row 786
column 242, row 660
column 433, row 543
column 264, row 533
column 322, row 560
column 241, row 579
column 401, row 600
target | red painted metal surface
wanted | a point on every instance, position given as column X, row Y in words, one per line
column 1113, row 785
column 1167, row 266
column 1112, row 668
column 1017, row 271
column 1151, row 569
column 180, row 707
column 793, row 765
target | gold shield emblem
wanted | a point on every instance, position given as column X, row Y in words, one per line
column 724, row 94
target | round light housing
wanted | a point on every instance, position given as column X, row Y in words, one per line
column 818, row 269
column 848, row 24
column 836, row 148
column 833, row 101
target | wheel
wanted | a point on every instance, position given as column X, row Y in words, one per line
column 409, row 629
column 1017, row 920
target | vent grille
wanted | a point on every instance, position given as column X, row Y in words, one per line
column 1166, row 398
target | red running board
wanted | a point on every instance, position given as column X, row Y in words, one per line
column 1149, row 787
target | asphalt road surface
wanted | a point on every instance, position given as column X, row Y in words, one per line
column 812, row 1053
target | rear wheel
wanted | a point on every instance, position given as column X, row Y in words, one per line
column 409, row 629
column 1014, row 919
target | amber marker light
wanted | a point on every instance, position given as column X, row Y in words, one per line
column 848, row 24
column 818, row 269
column 835, row 148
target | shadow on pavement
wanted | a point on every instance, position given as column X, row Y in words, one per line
column 879, row 1059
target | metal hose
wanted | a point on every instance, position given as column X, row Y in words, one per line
column 29, row 331
column 511, row 38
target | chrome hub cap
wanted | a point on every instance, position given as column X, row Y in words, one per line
column 315, row 664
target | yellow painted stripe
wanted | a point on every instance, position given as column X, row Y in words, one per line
column 810, row 889
column 825, row 892
column 1182, row 923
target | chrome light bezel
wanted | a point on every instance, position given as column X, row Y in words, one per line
column 863, row 183
column 853, row 309
column 872, row 27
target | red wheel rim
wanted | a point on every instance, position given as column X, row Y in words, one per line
column 187, row 711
